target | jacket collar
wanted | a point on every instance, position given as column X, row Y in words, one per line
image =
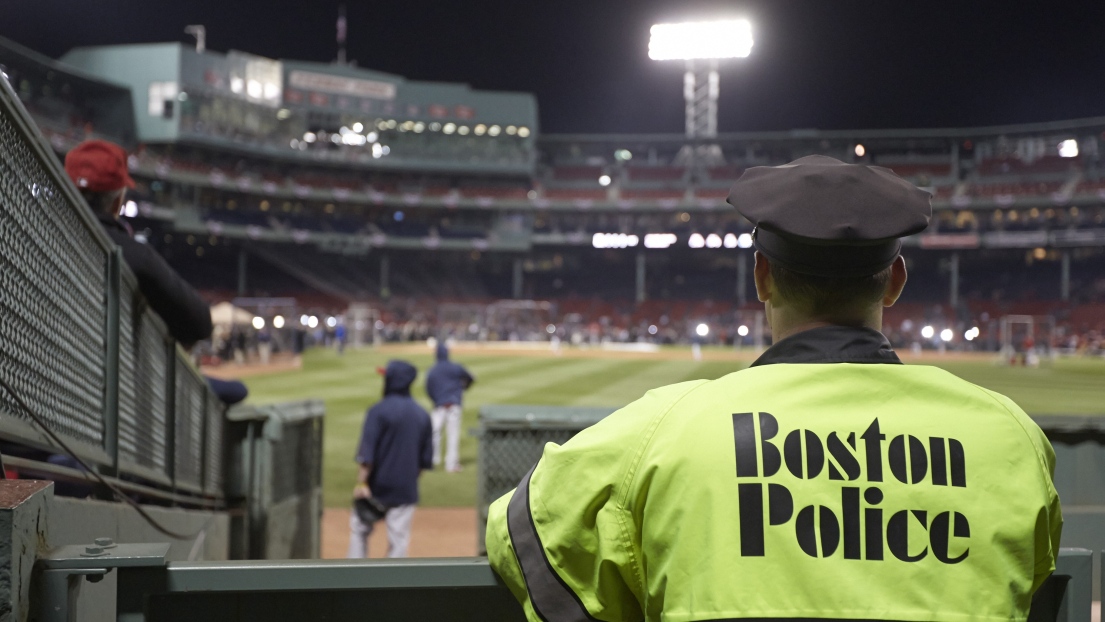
column 111, row 223
column 831, row 344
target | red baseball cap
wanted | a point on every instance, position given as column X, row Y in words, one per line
column 99, row 166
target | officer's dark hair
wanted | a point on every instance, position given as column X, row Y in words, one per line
column 102, row 202
column 829, row 296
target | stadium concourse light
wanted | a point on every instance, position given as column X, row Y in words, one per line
column 701, row 45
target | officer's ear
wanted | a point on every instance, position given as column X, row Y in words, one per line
column 765, row 285
column 896, row 283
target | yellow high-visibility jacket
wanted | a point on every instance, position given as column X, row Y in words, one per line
column 792, row 490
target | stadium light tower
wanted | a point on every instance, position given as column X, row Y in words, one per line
column 702, row 46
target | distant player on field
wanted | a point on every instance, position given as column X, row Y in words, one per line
column 394, row 449
column 445, row 385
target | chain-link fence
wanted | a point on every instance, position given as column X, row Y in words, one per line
column 511, row 441
column 77, row 343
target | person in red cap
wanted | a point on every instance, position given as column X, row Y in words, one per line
column 99, row 170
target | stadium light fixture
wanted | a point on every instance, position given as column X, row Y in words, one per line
column 604, row 180
column 744, row 240
column 278, row 321
column 702, row 330
column 696, row 241
column 946, row 335
column 331, row 321
column 972, row 333
column 701, row 40
column 358, row 127
column 312, row 322
column 659, row 240
column 303, row 320
column 652, row 330
column 713, row 241
column 861, row 151
column 614, row 240
column 130, row 210
column 927, row 332
column 701, row 45
column 1068, row 148
column 742, row 330
column 550, row 329
column 730, row 241
column 523, row 132
column 258, row 322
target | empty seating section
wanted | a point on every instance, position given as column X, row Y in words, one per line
column 724, row 174
column 503, row 193
column 1015, row 166
column 577, row 173
column 669, row 174
column 580, row 194
column 659, row 194
column 988, row 189
column 916, row 171
column 712, row 193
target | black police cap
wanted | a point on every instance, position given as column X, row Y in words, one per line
column 822, row 217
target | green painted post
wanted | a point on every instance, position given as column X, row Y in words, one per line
column 114, row 289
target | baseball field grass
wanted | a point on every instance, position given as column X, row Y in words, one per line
column 349, row 385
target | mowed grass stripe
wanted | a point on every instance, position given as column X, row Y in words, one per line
column 633, row 383
column 587, row 377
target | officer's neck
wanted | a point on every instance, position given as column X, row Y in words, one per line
column 787, row 321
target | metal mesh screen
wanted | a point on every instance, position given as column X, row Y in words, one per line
column 508, row 454
column 52, row 310
column 215, row 459
column 128, row 355
column 143, row 432
column 297, row 459
column 190, row 396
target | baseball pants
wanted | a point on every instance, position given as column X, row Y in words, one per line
column 398, row 522
column 447, row 417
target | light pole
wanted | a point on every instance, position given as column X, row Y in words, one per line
column 701, row 46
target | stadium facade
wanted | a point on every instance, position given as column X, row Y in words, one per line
column 367, row 187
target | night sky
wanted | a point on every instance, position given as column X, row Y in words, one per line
column 829, row 64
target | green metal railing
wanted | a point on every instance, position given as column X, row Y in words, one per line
column 78, row 343
column 445, row 590
column 275, row 470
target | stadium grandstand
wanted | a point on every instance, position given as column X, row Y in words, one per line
column 335, row 185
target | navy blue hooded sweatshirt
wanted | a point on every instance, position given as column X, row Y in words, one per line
column 447, row 381
column 396, row 439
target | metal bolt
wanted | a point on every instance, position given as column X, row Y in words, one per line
column 93, row 551
column 106, row 543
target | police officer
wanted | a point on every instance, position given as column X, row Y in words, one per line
column 826, row 481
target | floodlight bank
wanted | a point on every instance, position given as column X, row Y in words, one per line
column 694, row 40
